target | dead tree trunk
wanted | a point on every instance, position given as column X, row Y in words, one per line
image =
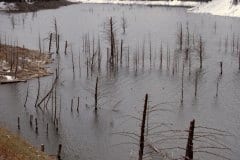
column 189, row 148
column 38, row 92
column 66, row 45
column 25, row 102
column 180, row 37
column 121, row 52
column 16, row 67
column 182, row 86
column 141, row 143
column 239, row 60
column 111, row 43
column 50, row 43
column 96, row 94
column 221, row 68
column 161, row 56
column 99, row 56
column 201, row 51
column 73, row 68
column 196, row 84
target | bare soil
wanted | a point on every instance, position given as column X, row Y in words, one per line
column 12, row 147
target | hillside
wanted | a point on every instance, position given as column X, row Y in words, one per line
column 12, row 147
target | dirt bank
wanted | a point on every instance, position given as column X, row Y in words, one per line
column 12, row 147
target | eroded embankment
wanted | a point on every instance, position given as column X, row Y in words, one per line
column 12, row 147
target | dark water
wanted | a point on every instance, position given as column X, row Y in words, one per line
column 90, row 135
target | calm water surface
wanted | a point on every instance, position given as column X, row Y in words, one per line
column 91, row 135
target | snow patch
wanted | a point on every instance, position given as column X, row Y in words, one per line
column 9, row 78
column 151, row 3
column 6, row 6
column 218, row 7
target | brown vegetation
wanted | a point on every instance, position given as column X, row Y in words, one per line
column 12, row 147
column 20, row 64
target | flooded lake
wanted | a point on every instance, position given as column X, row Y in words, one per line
column 111, row 132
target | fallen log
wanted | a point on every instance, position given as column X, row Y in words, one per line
column 12, row 81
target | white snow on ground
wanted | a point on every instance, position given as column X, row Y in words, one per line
column 6, row 6
column 129, row 2
column 218, row 7
column 215, row 7
column 9, row 78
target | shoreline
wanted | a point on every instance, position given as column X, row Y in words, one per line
column 22, row 7
column 14, row 147
column 36, row 6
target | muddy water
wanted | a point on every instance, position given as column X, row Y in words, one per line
column 91, row 135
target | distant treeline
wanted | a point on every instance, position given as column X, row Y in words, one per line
column 133, row 0
column 198, row 0
column 180, row 0
column 27, row 0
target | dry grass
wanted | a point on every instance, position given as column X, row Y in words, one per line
column 30, row 64
column 12, row 147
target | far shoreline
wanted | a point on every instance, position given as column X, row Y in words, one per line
column 22, row 7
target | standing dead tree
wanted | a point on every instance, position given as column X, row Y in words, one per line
column 66, row 46
column 180, row 38
column 112, row 42
column 182, row 85
column 141, row 141
column 161, row 56
column 206, row 141
column 239, row 60
column 187, row 46
column 50, row 43
column 99, row 55
column 73, row 66
column 196, row 84
column 38, row 92
column 200, row 51
column 123, row 24
column 25, row 102
column 57, row 37
column 96, row 95
column 189, row 148
column 110, row 31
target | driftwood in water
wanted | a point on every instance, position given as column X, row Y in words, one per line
column 50, row 91
column 12, row 81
